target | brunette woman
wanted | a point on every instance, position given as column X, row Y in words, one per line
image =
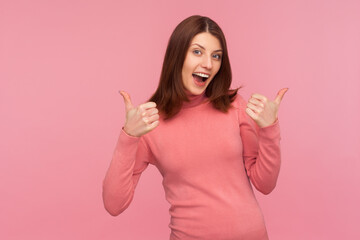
column 208, row 143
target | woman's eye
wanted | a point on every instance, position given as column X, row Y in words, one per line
column 197, row 52
column 217, row 56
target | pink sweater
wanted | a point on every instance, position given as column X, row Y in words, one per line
column 207, row 159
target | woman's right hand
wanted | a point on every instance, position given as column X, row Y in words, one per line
column 141, row 119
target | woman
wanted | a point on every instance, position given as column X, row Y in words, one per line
column 206, row 141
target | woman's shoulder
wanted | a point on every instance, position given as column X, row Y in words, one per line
column 239, row 102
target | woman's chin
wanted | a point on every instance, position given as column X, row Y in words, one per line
column 195, row 91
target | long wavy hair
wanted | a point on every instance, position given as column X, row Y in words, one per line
column 170, row 93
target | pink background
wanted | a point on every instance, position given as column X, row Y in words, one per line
column 62, row 63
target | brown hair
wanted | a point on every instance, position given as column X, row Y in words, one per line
column 170, row 93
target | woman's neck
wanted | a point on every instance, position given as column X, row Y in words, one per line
column 194, row 100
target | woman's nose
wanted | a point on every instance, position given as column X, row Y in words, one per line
column 207, row 62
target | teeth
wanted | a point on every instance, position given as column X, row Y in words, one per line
column 202, row 75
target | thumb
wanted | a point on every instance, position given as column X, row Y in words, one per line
column 127, row 101
column 280, row 95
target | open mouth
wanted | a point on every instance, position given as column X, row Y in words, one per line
column 201, row 77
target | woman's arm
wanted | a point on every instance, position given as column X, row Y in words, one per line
column 261, row 151
column 131, row 155
column 130, row 158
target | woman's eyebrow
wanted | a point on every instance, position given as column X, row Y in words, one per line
column 219, row 50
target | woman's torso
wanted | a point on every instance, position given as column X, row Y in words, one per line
column 199, row 154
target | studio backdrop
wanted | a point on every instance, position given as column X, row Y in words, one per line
column 62, row 64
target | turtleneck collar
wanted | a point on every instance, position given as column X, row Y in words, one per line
column 194, row 100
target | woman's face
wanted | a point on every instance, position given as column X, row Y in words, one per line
column 202, row 62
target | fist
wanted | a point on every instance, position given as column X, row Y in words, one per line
column 141, row 119
column 263, row 111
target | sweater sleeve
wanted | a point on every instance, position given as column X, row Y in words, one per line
column 130, row 158
column 261, row 150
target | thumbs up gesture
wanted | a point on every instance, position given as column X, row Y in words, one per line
column 263, row 111
column 141, row 119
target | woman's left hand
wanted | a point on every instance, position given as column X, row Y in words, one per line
column 263, row 111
